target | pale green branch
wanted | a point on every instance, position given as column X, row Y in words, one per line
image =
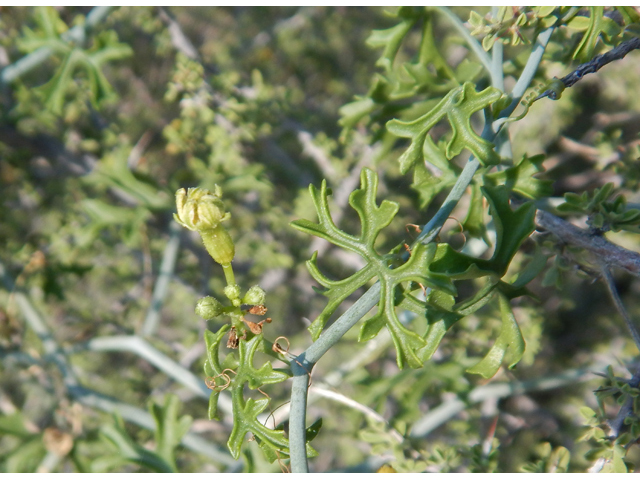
column 451, row 408
column 306, row 361
column 77, row 34
column 167, row 267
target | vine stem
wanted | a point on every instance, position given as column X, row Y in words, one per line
column 305, row 362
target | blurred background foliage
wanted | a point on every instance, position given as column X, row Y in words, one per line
column 98, row 135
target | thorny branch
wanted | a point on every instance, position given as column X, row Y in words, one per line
column 611, row 286
column 608, row 253
column 627, row 409
column 594, row 65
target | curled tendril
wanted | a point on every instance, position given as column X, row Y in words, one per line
column 413, row 226
column 211, row 381
column 278, row 349
column 461, row 230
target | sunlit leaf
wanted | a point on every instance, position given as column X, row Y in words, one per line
column 458, row 106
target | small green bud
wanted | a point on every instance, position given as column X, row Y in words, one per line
column 254, row 296
column 232, row 292
column 208, row 308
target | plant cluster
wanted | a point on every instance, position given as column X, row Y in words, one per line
column 436, row 206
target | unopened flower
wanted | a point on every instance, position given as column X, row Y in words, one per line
column 232, row 292
column 208, row 308
column 200, row 209
column 254, row 296
column 203, row 211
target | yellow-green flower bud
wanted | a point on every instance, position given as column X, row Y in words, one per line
column 202, row 210
column 254, row 296
column 208, row 308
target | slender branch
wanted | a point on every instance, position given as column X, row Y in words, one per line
column 607, row 253
column 594, row 65
column 613, row 291
column 51, row 348
column 76, row 34
column 167, row 267
column 497, row 57
column 433, row 227
column 94, row 399
column 451, row 408
column 529, row 71
column 474, row 45
column 178, row 38
column 626, row 410
column 304, row 364
column 305, row 361
column 326, row 392
column 143, row 349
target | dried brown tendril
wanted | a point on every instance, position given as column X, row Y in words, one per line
column 210, row 382
column 278, row 349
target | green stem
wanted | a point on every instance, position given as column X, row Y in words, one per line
column 305, row 361
column 472, row 42
column 228, row 274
